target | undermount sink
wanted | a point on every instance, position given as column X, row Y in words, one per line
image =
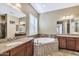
column 13, row 43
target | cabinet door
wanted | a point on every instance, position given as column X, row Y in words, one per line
column 62, row 42
column 18, row 51
column 77, row 44
column 71, row 43
column 5, row 54
column 29, row 48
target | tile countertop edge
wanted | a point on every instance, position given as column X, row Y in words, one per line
column 5, row 48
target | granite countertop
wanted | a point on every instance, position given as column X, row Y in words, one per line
column 68, row 35
column 9, row 45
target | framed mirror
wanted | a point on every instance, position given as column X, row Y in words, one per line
column 77, row 26
column 21, row 27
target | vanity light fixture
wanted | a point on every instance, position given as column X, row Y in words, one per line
column 22, row 23
column 63, row 17
column 71, row 16
column 68, row 17
column 18, row 5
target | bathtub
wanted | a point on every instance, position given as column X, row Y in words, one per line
column 44, row 40
column 44, row 46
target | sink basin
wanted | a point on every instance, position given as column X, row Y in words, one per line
column 13, row 43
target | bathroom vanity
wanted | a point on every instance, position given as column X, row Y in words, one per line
column 70, row 42
column 19, row 47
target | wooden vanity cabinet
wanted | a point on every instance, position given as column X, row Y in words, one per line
column 77, row 44
column 18, row 51
column 29, row 48
column 71, row 43
column 5, row 54
column 62, row 42
column 25, row 49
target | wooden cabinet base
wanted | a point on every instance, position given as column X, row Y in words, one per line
column 77, row 45
column 62, row 42
column 69, row 43
column 25, row 49
column 29, row 48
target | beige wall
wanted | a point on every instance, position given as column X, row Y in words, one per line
column 47, row 24
column 11, row 28
column 47, row 21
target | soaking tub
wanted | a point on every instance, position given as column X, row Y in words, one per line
column 44, row 45
column 44, row 40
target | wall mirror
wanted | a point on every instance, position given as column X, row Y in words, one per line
column 21, row 26
column 77, row 25
column 2, row 26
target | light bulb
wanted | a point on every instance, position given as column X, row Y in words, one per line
column 18, row 5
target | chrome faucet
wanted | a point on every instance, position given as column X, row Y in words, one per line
column 11, row 39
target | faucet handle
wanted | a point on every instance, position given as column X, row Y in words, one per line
column 14, row 38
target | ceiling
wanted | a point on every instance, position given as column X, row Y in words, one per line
column 46, row 7
column 10, row 9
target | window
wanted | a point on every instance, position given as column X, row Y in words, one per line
column 33, row 28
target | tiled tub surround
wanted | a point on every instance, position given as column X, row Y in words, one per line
column 6, row 46
column 41, row 46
